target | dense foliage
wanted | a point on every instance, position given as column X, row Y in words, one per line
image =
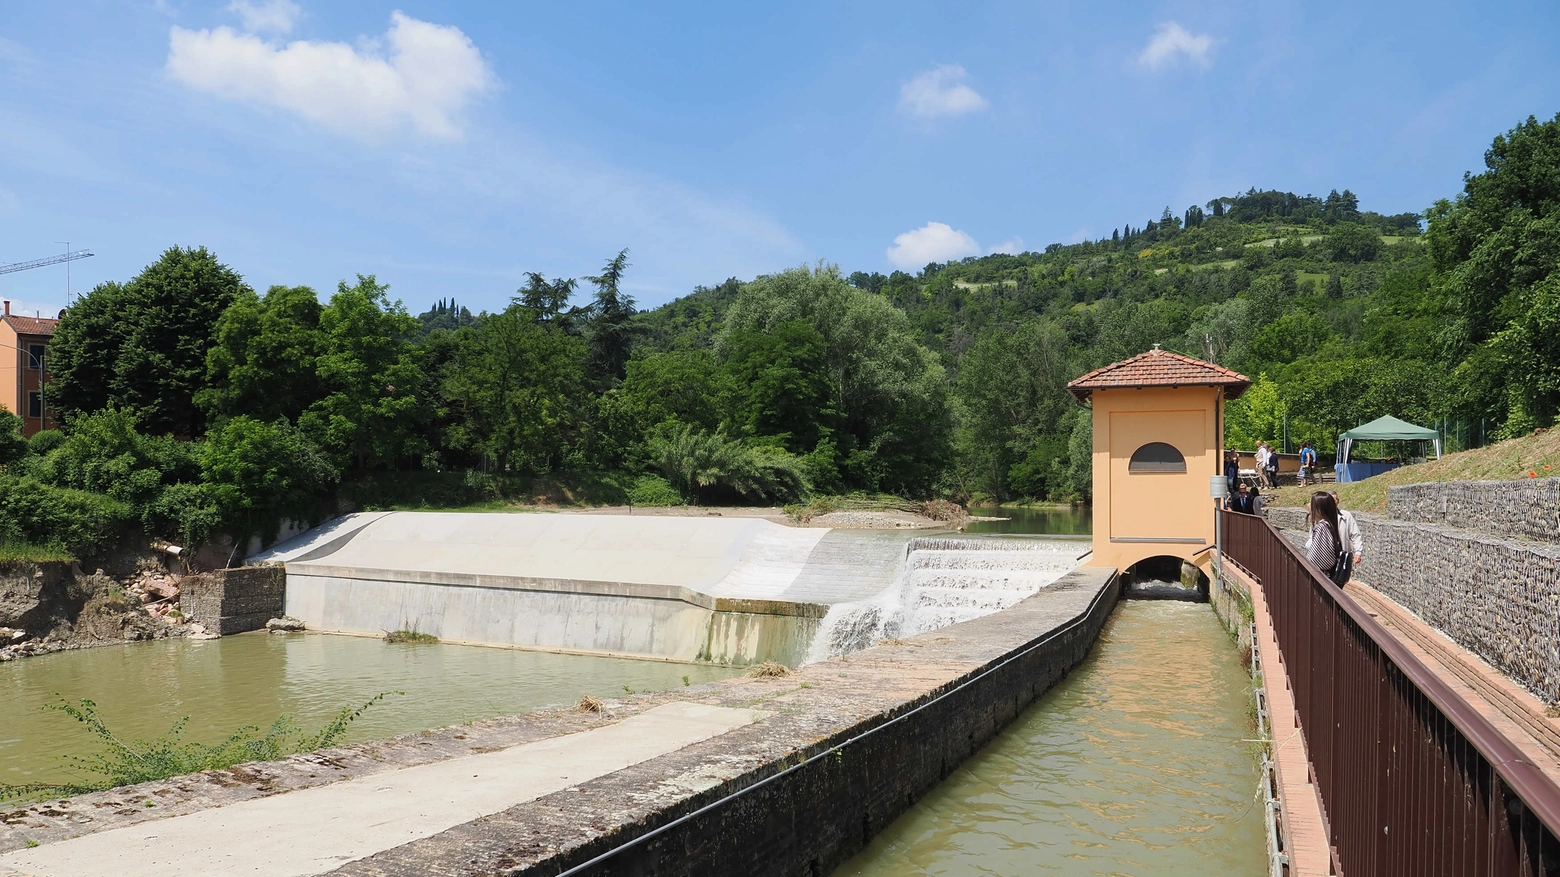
column 950, row 381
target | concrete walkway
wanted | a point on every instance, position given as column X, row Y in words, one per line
column 317, row 830
column 1305, row 836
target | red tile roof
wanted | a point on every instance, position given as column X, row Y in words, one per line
column 1160, row 368
column 31, row 325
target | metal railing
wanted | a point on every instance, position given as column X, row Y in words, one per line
column 1412, row 779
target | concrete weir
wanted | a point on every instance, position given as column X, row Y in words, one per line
column 782, row 776
column 722, row 590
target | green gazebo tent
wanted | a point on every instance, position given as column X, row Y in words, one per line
column 1386, row 428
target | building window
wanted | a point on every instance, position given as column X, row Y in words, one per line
column 1157, row 457
column 34, row 404
column 35, row 356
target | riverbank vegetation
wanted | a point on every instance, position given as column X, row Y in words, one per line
column 121, row 763
column 195, row 405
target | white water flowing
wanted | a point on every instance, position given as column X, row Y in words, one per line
column 946, row 580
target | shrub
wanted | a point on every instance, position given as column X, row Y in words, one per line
column 653, row 490
column 12, row 446
column 121, row 763
column 45, row 441
column 72, row 521
column 712, row 466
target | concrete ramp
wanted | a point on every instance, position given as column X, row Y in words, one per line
column 722, row 590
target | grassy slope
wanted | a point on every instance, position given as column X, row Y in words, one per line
column 1538, row 453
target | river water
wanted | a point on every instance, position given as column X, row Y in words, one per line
column 1053, row 520
column 1134, row 764
column 143, row 688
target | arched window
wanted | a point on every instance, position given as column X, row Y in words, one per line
column 1157, row 457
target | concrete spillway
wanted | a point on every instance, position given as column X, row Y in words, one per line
column 723, row 590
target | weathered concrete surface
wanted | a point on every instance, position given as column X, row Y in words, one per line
column 807, row 821
column 638, row 586
column 315, row 830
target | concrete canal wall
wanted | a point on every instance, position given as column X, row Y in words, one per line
column 822, row 760
column 723, row 590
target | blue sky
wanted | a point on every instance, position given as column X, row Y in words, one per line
column 450, row 147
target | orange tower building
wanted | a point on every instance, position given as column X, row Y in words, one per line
column 1158, row 439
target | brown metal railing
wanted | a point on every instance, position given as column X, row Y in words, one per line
column 1412, row 779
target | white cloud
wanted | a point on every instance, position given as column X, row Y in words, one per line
column 425, row 78
column 932, row 242
column 940, row 91
column 273, row 16
column 1172, row 42
column 1011, row 246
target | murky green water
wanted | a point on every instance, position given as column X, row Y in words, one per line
column 142, row 688
column 1055, row 521
column 1134, row 765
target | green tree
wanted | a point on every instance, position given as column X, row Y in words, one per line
column 12, row 446
column 895, row 429
column 776, row 384
column 143, row 345
column 548, row 300
column 610, row 323
column 258, row 473
column 1529, row 348
column 263, row 359
column 1015, row 409
column 1492, row 249
column 516, row 385
column 1352, row 242
column 1257, row 416
column 370, row 374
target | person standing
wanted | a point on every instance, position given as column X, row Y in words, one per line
column 1261, row 460
column 1272, row 468
column 1232, row 470
column 1254, row 501
column 1349, row 535
column 1324, row 548
column 1307, row 463
column 1239, row 501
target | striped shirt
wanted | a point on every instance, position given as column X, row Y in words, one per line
column 1322, row 548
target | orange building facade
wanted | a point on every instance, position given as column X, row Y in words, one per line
column 24, row 344
column 1158, row 440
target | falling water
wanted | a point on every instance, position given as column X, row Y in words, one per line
column 945, row 580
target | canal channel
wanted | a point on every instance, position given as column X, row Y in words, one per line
column 1139, row 762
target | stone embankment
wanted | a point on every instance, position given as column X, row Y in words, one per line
column 1527, row 509
column 807, row 768
column 52, row 606
column 1497, row 596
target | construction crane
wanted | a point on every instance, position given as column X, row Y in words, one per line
column 69, row 256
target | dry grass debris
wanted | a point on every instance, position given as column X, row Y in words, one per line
column 768, row 670
column 588, row 704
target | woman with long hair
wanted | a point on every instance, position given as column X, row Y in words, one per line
column 1325, row 546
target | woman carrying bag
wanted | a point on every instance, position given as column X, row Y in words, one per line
column 1326, row 548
